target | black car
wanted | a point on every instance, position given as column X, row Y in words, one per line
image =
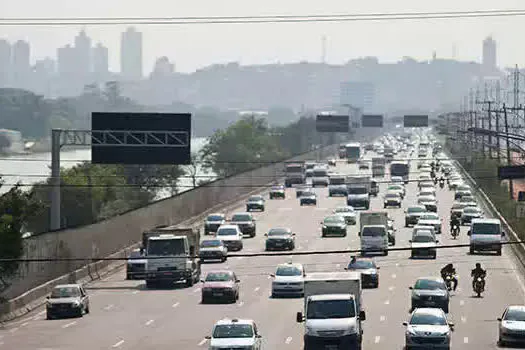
column 333, row 225
column 245, row 222
column 413, row 213
column 213, row 222
column 280, row 239
column 255, row 203
column 368, row 269
column 277, row 192
column 308, row 198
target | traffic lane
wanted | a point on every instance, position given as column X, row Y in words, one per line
column 114, row 332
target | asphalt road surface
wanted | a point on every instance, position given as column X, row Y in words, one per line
column 124, row 315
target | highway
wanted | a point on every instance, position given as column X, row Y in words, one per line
column 124, row 315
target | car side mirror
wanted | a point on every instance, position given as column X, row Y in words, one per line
column 468, row 233
column 258, row 336
column 451, row 325
column 502, row 233
column 346, row 268
column 237, row 281
column 405, row 324
column 437, row 240
column 265, row 235
column 207, row 337
column 48, row 297
column 378, row 267
column 499, row 319
column 299, row 317
column 202, row 281
column 272, row 275
column 321, row 222
column 362, row 315
column 410, row 288
column 293, row 234
column 409, row 241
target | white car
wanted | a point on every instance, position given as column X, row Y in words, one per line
column 397, row 188
column 392, row 199
column 431, row 219
column 397, row 179
column 235, row 334
column 231, row 236
column 512, row 325
column 424, row 243
column 288, row 280
column 428, row 327
column 348, row 213
column 427, row 191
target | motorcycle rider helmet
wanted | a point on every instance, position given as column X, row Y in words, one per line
column 478, row 266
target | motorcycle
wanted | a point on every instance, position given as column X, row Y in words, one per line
column 454, row 231
column 479, row 286
column 435, row 181
column 441, row 184
column 448, row 281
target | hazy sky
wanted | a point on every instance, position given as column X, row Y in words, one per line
column 194, row 46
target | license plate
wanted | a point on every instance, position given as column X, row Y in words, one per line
column 167, row 273
column 218, row 294
column 279, row 244
column 335, row 347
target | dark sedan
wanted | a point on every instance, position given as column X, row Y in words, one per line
column 413, row 213
column 220, row 285
column 368, row 270
column 246, row 223
column 213, row 222
column 280, row 239
column 333, row 225
column 255, row 203
column 308, row 198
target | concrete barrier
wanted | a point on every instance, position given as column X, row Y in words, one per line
column 113, row 237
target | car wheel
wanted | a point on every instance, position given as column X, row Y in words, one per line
column 87, row 309
column 498, row 252
column 224, row 258
column 445, row 309
column 189, row 282
column 129, row 276
column 385, row 253
column 49, row 316
column 80, row 312
column 394, row 242
column 204, row 300
column 471, row 251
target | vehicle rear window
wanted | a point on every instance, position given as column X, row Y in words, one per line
column 423, row 239
column 416, row 210
column 427, row 319
column 215, row 218
column 233, row 331
column 486, row 229
column 241, row 217
column 429, row 285
column 211, row 243
column 373, row 231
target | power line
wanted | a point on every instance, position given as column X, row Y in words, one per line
column 257, row 20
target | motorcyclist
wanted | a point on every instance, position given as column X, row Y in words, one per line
column 454, row 221
column 449, row 269
column 354, row 260
column 478, row 272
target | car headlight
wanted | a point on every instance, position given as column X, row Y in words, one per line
column 76, row 303
column 410, row 332
column 416, row 296
column 324, row 226
column 207, row 289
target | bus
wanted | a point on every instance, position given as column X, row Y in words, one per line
column 353, row 152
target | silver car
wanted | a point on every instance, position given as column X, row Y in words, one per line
column 67, row 300
column 348, row 213
column 428, row 328
column 430, row 292
column 512, row 325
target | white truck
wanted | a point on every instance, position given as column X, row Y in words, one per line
column 171, row 255
column 373, row 230
column 295, row 173
column 333, row 310
column 358, row 188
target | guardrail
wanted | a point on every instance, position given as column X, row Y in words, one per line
column 519, row 249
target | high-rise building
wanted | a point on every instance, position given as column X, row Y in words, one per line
column 489, row 55
column 131, row 54
column 66, row 61
column 100, row 62
column 21, row 66
column 163, row 67
column 5, row 63
column 83, row 55
column 43, row 74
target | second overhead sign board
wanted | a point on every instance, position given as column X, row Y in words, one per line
column 332, row 123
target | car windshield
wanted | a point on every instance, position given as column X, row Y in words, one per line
column 515, row 315
column 255, row 199
column 226, row 232
column 358, row 190
column 392, row 195
column 426, row 199
column 278, row 232
column 65, row 292
column 241, row 217
column 416, row 210
column 420, row 318
column 329, row 309
column 361, row 264
column 458, row 206
column 215, row 218
column 467, row 199
column 471, row 210
column 423, row 239
column 218, row 277
column 344, row 210
column 429, row 217
column 373, row 231
column 211, row 243
column 233, row 331
column 135, row 254
column 333, row 219
column 485, row 229
column 307, row 194
column 166, row 247
column 288, row 271
column 429, row 284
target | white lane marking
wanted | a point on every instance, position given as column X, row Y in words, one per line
column 117, row 344
column 462, row 302
column 240, row 257
column 387, row 302
column 202, row 342
column 269, row 276
column 24, row 324
column 175, row 305
column 320, row 209
column 256, row 289
column 338, row 265
column 149, row 322
column 41, row 313
column 288, row 340
column 397, row 264
column 285, row 209
column 465, row 340
column 67, row 325
column 135, row 292
column 377, row 339
column 394, row 275
column 241, row 303
column 391, row 288
column 196, row 290
column 12, row 330
column 382, row 318
column 463, row 319
column 109, row 307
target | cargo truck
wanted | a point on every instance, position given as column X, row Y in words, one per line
column 171, row 255
column 358, row 188
column 378, row 166
column 333, row 311
column 353, row 152
column 373, row 230
column 295, row 173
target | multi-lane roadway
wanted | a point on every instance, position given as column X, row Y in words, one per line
column 124, row 315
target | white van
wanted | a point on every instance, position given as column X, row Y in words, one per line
column 485, row 235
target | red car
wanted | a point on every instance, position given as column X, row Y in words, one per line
column 220, row 285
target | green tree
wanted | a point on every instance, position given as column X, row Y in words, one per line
column 17, row 207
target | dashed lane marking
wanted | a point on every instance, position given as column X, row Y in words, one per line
column 109, row 307
column 338, row 265
column 256, row 289
column 394, row 275
column 118, row 344
column 175, row 305
column 288, row 340
column 465, row 340
column 12, row 330
column 391, row 288
column 463, row 319
column 387, row 302
column 462, row 302
column 241, row 303
column 269, row 276
column 377, row 339
column 24, row 324
column 202, row 342
column 382, row 318
column 67, row 325
column 149, row 322
column 41, row 313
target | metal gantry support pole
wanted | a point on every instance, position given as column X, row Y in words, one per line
column 55, row 219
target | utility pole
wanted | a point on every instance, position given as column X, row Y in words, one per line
column 509, row 160
column 471, row 117
column 498, row 144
